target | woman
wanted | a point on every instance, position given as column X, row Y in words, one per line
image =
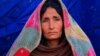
column 51, row 31
column 53, row 35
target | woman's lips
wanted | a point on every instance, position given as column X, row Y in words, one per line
column 52, row 33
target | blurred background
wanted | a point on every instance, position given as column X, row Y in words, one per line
column 15, row 13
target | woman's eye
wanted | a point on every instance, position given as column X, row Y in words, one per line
column 56, row 18
column 45, row 20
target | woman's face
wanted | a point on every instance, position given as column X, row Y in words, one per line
column 51, row 24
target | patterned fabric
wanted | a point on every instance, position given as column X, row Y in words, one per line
column 30, row 36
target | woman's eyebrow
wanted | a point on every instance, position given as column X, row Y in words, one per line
column 45, row 18
column 55, row 17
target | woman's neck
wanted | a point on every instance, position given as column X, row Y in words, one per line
column 53, row 43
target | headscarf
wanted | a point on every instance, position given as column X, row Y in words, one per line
column 30, row 36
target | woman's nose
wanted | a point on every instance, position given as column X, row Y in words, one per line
column 51, row 25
